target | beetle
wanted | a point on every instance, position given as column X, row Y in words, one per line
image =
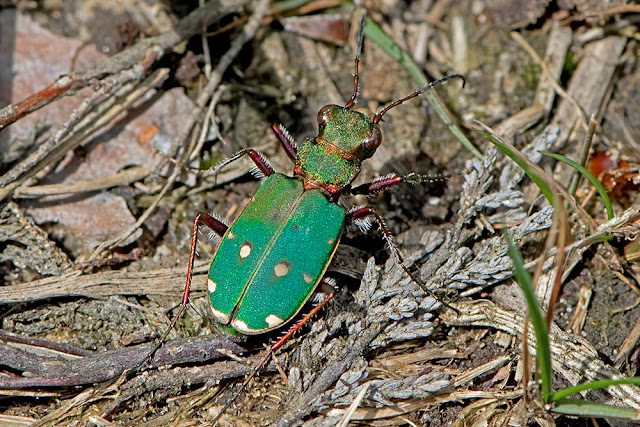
column 275, row 253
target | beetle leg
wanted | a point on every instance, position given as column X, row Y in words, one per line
column 265, row 359
column 326, row 286
column 218, row 227
column 385, row 182
column 361, row 213
column 262, row 165
column 287, row 142
column 302, row 321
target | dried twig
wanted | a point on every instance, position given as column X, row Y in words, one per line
column 195, row 117
column 56, row 369
column 84, row 125
column 165, row 281
column 144, row 53
column 123, row 177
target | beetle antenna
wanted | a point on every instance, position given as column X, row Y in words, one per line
column 352, row 101
column 378, row 117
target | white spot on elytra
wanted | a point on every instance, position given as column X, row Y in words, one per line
column 241, row 326
column 273, row 320
column 330, row 242
column 230, row 235
column 220, row 316
column 245, row 250
column 281, row 269
column 211, row 285
column 307, row 278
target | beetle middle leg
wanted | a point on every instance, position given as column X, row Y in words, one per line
column 385, row 182
column 360, row 214
column 219, row 228
column 262, row 165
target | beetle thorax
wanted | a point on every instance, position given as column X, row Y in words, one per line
column 346, row 137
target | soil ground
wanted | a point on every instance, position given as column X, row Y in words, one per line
column 86, row 291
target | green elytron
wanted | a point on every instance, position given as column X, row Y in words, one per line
column 274, row 255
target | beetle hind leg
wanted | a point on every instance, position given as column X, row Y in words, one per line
column 265, row 359
column 359, row 214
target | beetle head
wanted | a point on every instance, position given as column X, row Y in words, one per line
column 351, row 131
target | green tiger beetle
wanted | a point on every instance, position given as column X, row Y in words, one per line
column 275, row 253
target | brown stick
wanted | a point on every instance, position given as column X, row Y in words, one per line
column 145, row 52
column 55, row 370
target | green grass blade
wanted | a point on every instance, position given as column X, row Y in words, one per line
column 377, row 35
column 519, row 158
column 592, row 385
column 537, row 318
column 284, row 5
column 589, row 176
column 585, row 408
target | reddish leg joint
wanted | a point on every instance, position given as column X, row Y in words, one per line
column 264, row 167
column 259, row 161
column 377, row 186
column 287, row 144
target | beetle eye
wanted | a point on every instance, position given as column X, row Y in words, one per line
column 324, row 113
column 374, row 140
